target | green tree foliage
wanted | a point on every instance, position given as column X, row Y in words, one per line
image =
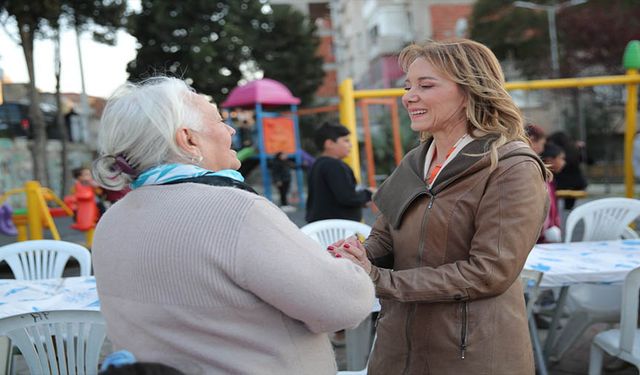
column 596, row 34
column 289, row 55
column 101, row 18
column 513, row 33
column 591, row 34
column 214, row 45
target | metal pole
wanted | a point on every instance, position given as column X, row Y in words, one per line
column 84, row 103
column 631, row 113
column 368, row 146
column 553, row 38
column 264, row 169
column 348, row 119
column 298, row 156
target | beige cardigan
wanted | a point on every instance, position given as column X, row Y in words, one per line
column 215, row 280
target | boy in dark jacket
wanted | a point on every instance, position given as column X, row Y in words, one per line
column 332, row 185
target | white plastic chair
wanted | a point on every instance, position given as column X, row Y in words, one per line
column 329, row 231
column 44, row 259
column 57, row 342
column 604, row 219
column 623, row 342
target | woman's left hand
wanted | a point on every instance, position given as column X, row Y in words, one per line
column 352, row 249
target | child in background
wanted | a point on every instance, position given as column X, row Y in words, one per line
column 82, row 175
column 281, row 173
column 85, row 185
column 536, row 136
column 332, row 185
column 554, row 157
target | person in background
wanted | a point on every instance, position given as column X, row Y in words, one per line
column 281, row 173
column 459, row 216
column 537, row 137
column 85, row 187
column 195, row 270
column 554, row 157
column 333, row 193
column 112, row 196
column 571, row 177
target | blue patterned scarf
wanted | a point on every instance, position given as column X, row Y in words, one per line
column 165, row 173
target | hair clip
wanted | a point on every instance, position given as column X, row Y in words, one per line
column 124, row 166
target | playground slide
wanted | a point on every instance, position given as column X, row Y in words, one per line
column 6, row 223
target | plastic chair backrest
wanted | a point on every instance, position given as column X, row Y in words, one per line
column 531, row 284
column 329, row 231
column 629, row 310
column 44, row 259
column 57, row 342
column 604, row 219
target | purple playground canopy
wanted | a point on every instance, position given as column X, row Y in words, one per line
column 263, row 91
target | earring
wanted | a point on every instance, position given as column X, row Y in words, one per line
column 197, row 159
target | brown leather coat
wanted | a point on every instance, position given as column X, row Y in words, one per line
column 447, row 261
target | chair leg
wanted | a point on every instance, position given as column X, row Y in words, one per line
column 574, row 328
column 5, row 355
column 595, row 360
column 541, row 366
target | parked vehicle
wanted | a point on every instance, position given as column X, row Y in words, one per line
column 15, row 121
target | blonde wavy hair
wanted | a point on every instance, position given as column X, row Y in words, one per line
column 489, row 107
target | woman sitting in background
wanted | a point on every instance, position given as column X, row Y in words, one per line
column 196, row 271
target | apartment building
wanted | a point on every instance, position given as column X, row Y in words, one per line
column 368, row 34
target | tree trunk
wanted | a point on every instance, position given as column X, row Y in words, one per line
column 39, row 144
column 62, row 126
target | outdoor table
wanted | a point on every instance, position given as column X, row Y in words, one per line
column 30, row 296
column 566, row 264
column 25, row 296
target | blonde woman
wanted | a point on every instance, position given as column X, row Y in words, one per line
column 459, row 217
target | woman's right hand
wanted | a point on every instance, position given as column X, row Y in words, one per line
column 352, row 249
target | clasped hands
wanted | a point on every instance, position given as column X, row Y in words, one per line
column 351, row 248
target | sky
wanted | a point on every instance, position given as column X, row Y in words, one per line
column 104, row 66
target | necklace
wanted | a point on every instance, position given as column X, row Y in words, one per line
column 436, row 169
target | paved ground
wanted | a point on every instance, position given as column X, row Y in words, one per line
column 575, row 360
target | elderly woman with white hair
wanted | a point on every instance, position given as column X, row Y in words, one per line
column 193, row 268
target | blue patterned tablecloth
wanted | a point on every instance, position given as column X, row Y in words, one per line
column 70, row 293
column 601, row 262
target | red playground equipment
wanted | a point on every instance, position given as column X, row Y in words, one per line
column 83, row 203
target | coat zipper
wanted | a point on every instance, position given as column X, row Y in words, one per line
column 414, row 307
column 463, row 330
